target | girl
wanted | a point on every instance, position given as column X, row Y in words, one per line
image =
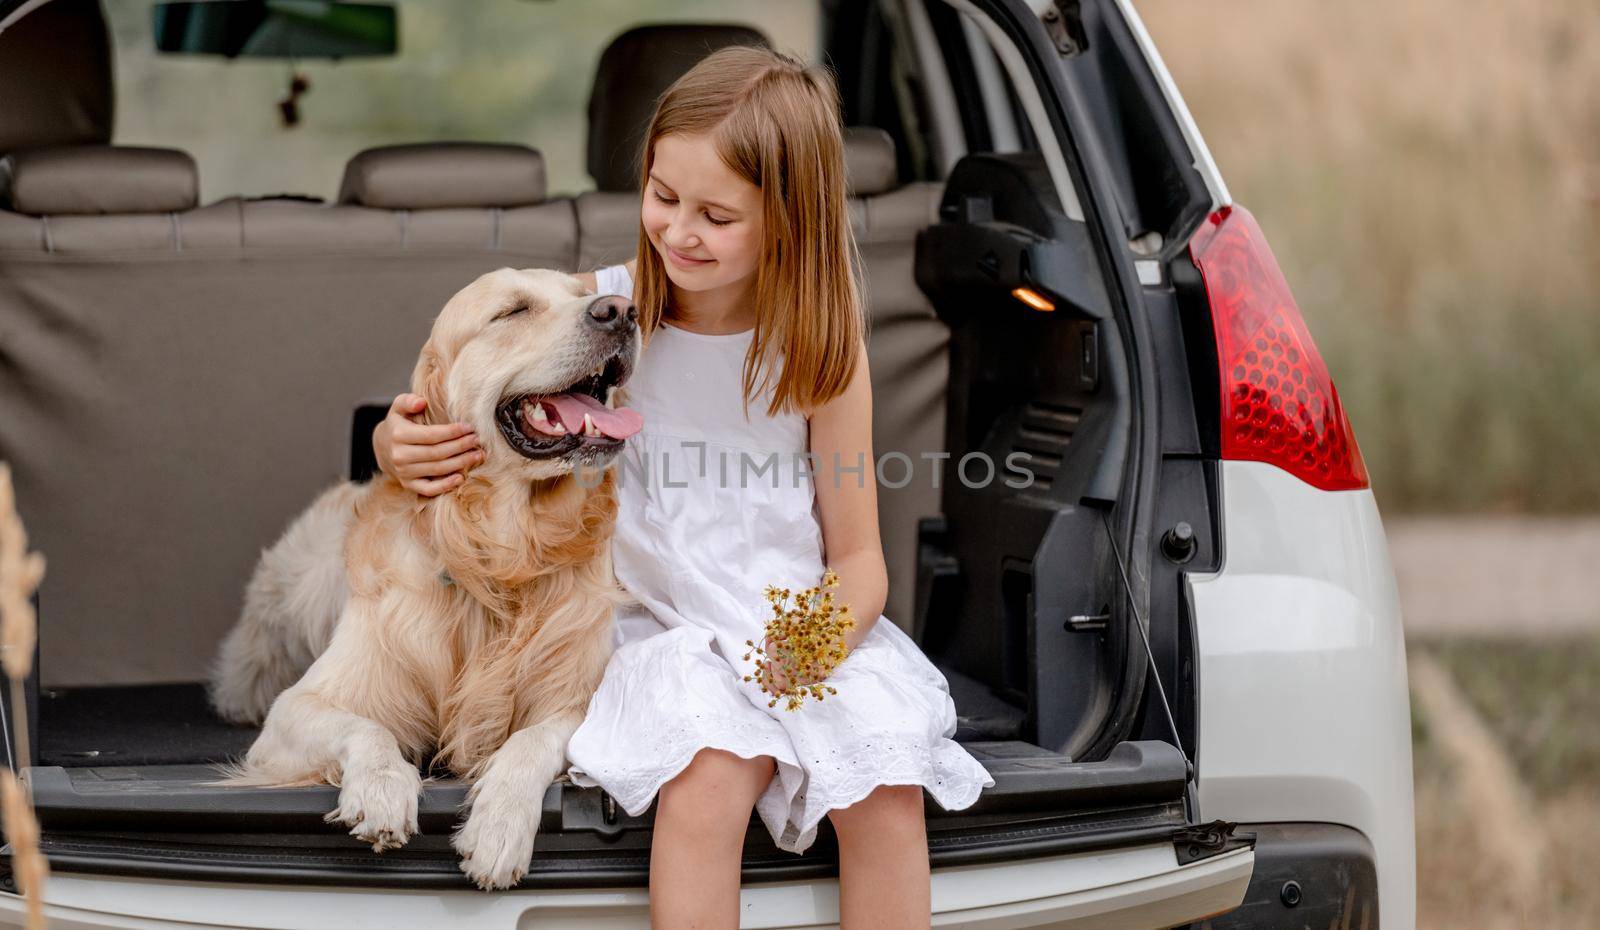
column 744, row 271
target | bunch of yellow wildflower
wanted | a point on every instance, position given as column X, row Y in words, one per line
column 806, row 642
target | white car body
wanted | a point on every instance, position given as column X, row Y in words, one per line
column 1304, row 708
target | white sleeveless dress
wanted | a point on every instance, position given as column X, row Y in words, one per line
column 698, row 551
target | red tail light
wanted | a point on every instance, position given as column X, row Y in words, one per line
column 1278, row 401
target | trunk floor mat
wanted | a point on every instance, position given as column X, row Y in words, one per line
column 165, row 724
column 172, row 724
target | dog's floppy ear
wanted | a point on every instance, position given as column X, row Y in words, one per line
column 428, row 380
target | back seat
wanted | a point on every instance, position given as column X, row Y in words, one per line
column 908, row 352
column 180, row 379
column 180, row 383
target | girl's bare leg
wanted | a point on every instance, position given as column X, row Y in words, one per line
column 883, row 861
column 697, row 845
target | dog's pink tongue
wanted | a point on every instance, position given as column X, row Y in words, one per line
column 618, row 424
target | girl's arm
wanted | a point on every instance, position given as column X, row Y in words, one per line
column 428, row 460
column 848, row 501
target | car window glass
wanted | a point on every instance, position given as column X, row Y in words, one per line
column 495, row 71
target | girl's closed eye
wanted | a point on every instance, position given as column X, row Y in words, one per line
column 669, row 200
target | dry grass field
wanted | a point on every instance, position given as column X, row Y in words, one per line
column 1507, row 755
column 1428, row 176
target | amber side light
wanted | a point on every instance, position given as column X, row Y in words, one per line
column 1032, row 298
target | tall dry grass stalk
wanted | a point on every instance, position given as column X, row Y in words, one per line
column 20, row 574
column 1428, row 177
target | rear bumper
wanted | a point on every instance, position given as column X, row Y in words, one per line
column 1307, row 875
column 1137, row 887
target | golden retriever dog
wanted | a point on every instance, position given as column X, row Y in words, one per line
column 475, row 624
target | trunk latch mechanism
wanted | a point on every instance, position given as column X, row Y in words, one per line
column 593, row 810
column 1204, row 840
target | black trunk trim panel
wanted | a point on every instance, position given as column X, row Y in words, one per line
column 428, row 861
column 158, row 822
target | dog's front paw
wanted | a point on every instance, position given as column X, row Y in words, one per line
column 496, row 842
column 379, row 805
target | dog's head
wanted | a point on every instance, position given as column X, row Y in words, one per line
column 531, row 358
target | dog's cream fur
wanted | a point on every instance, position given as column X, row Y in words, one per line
column 494, row 665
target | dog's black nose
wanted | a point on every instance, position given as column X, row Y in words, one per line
column 613, row 311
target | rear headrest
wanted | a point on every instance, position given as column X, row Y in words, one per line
column 55, row 66
column 635, row 69
column 78, row 179
column 869, row 165
column 435, row 175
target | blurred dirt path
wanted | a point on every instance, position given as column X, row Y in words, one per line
column 1506, row 830
column 1498, row 576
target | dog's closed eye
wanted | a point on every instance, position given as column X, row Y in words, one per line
column 514, row 309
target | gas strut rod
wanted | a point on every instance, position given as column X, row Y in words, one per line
column 1138, row 621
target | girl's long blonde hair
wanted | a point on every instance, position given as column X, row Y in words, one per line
column 775, row 121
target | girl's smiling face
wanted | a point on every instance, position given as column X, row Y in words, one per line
column 703, row 219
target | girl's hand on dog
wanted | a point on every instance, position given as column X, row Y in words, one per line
column 428, row 460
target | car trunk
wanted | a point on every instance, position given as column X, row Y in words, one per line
column 119, row 790
column 224, row 411
column 120, row 773
column 121, row 768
